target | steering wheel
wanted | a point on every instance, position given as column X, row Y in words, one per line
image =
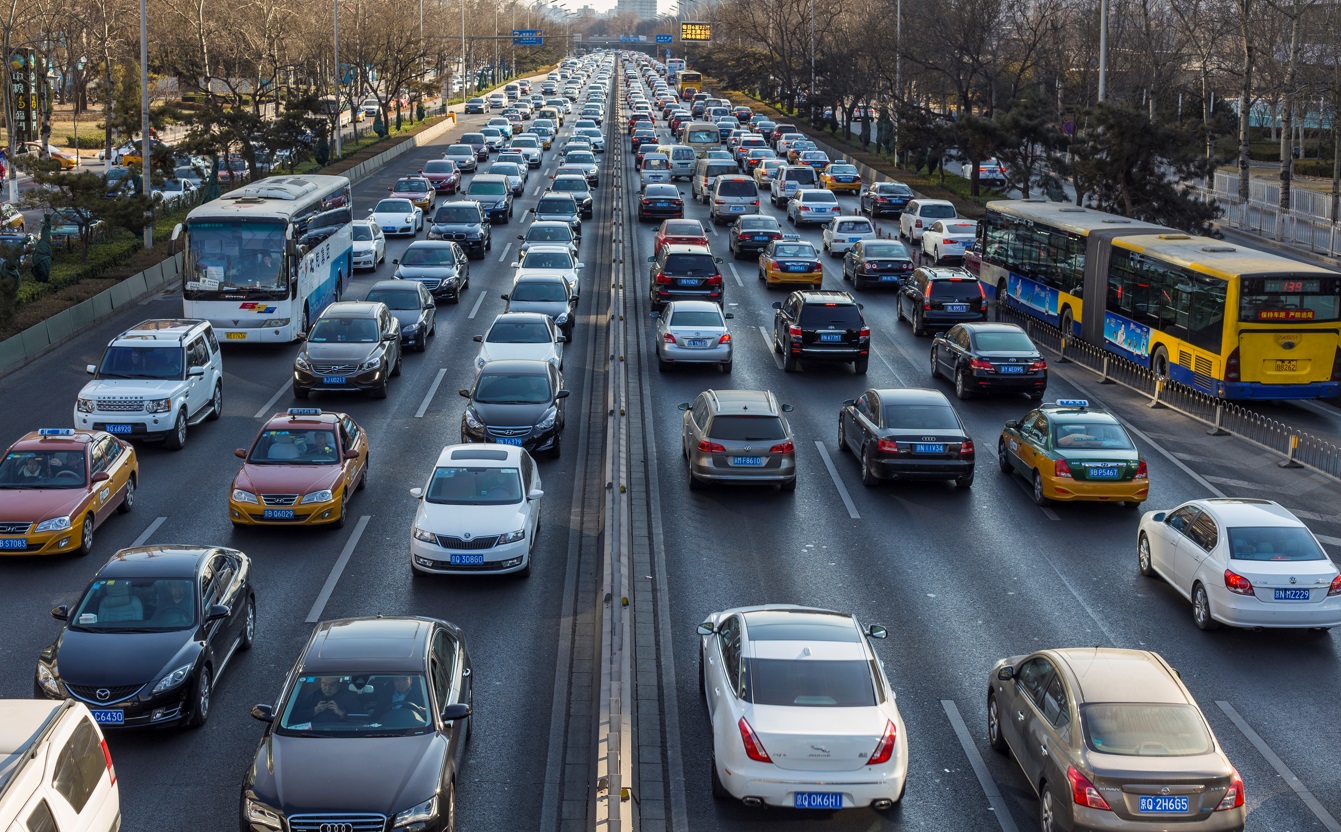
column 69, row 475
column 172, row 616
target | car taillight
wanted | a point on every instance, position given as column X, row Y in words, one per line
column 710, row 447
column 647, row 201
column 1233, row 798
column 720, row 202
column 917, row 224
column 1232, row 366
column 662, row 278
column 783, row 448
column 981, row 364
column 755, row 203
column 1237, row 584
column 668, row 338
column 864, row 334
column 743, row 236
column 715, row 280
column 1335, row 588
column 794, row 331
column 888, row 446
column 966, row 448
column 1142, row 472
column 773, row 264
column 1083, row 792
column 753, row 748
column 884, row 749
column 982, row 297
column 107, row 757
column 1061, row 469
column 1038, row 365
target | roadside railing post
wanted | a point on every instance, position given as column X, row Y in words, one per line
column 1103, row 372
column 1061, row 351
column 1159, row 388
column 1290, row 461
column 1218, row 429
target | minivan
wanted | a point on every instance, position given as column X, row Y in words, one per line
column 682, row 158
column 57, row 771
column 732, row 196
column 706, row 172
column 790, row 179
column 702, row 136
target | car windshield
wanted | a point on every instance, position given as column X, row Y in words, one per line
column 136, row 605
column 581, row 157
column 830, row 316
column 1138, row 729
column 412, row 186
column 343, row 331
column 1090, row 435
column 428, row 256
column 747, row 428
column 758, row 224
column 141, row 362
column 519, row 332
column 395, row 298
column 1003, row 342
column 284, row 446
column 465, row 486
column 362, row 233
column 808, row 683
column 683, row 228
column 525, row 141
column 692, row 265
column 842, row 170
column 818, row 196
column 893, row 189
column 440, row 166
column 919, row 417
column 556, row 206
column 570, row 184
column 547, row 260
column 499, row 388
column 539, row 291
column 655, row 163
column 795, row 250
column 884, row 250
column 42, row 469
column 703, row 136
column 472, row 138
column 697, row 318
column 394, row 206
column 1279, row 543
column 487, row 188
column 661, row 192
column 357, row 705
column 549, row 234
column 737, row 188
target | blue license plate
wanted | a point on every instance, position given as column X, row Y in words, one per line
column 759, row 238
column 956, row 307
column 796, row 267
column 1160, row 804
column 1290, row 594
column 889, row 278
column 928, row 447
column 277, row 514
column 1011, row 369
column 687, row 281
column 854, row 239
column 467, row 560
column 662, row 204
column 389, row 228
column 332, row 379
column 818, row 800
column 1105, row 473
column 109, row 717
column 13, row 543
column 696, row 342
column 120, row 428
column 747, row 460
column 736, row 209
column 509, row 440
column 830, row 337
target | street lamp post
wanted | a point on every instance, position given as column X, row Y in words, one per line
column 146, row 160
column 339, row 105
column 1103, row 51
column 79, row 67
column 811, row 98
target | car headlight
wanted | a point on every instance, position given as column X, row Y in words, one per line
column 410, row 218
column 479, row 362
column 424, row 812
column 47, row 679
column 512, row 537
column 547, row 421
column 84, row 405
column 413, row 327
column 301, row 362
column 424, row 535
column 55, row 524
column 561, row 319
column 257, row 813
column 275, row 322
column 174, row 678
column 472, row 421
column 158, row 405
column 371, row 363
column 240, row 496
column 323, row 496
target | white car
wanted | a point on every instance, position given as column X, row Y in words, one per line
column 919, row 214
column 528, row 146
column 948, row 239
column 369, row 249
column 528, row 335
column 693, row 332
column 802, row 714
column 174, row 193
column 397, row 216
column 555, row 260
column 841, row 232
column 597, row 139
column 812, row 205
column 1242, row 562
column 478, row 512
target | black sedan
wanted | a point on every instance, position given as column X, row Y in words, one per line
column 660, row 202
column 884, row 262
column 369, row 733
column 906, row 433
column 412, row 306
column 989, row 358
column 516, row 402
column 150, row 637
column 885, row 199
column 750, row 235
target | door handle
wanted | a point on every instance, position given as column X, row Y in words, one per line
column 1043, row 749
column 1019, row 716
column 717, row 691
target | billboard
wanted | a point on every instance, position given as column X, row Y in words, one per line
column 695, row 32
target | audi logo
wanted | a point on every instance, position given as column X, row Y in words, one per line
column 336, row 827
column 103, row 694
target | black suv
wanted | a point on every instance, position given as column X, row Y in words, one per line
column 941, row 297
column 684, row 272
column 821, row 325
column 464, row 222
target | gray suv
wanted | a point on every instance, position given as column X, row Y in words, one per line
column 738, row 436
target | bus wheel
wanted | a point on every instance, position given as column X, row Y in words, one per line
column 1159, row 362
column 302, row 322
column 1068, row 323
column 1001, row 292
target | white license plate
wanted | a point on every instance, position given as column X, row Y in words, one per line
column 120, row 428
column 928, row 448
column 467, row 560
column 818, row 800
column 956, row 307
column 13, row 543
column 509, row 440
column 1290, row 594
column 277, row 514
column 754, row 461
column 332, row 379
column 696, row 342
column 109, row 717
column 1160, row 804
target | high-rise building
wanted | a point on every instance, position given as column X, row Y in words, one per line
column 644, row 9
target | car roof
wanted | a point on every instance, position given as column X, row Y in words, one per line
column 798, row 634
column 429, row 244
column 395, row 286
column 910, row 395
column 740, row 402
column 482, row 455
column 299, row 416
column 168, row 561
column 991, row 326
column 368, row 645
column 694, row 306
column 489, row 177
column 1240, row 511
column 824, row 296
column 520, row 317
column 35, row 441
column 351, row 309
column 1110, row 674
column 948, row 273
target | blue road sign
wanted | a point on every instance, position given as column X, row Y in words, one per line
column 528, row 41
column 663, row 38
column 525, row 33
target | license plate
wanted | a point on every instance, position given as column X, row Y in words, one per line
column 956, row 307
column 888, row 278
column 759, row 238
column 661, row 204
column 388, row 228
column 687, row 281
column 109, row 717
column 277, row 514
column 696, row 342
column 1155, row 804
column 854, row 239
column 120, row 428
column 818, row 800
column 1010, row 369
column 830, row 337
column 736, row 209
column 747, row 460
column 13, row 543
column 332, row 379
column 1287, row 365
column 796, row 267
column 928, row 448
column 235, row 336
column 1104, row 473
column 1290, row 594
column 508, row 440
column 467, row 560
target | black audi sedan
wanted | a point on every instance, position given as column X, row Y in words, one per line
column 906, row 433
column 369, row 732
column 877, row 262
column 516, row 402
column 150, row 637
column 989, row 358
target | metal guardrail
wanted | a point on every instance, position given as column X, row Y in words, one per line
column 1302, row 200
column 1296, row 447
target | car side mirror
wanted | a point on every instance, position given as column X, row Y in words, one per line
column 430, row 305
column 1159, row 517
column 101, row 476
column 351, row 454
column 535, row 494
column 454, row 711
column 61, row 613
column 195, row 372
column 504, row 296
column 464, row 393
column 777, row 304
column 265, row 713
column 849, row 402
column 91, row 369
column 652, row 259
column 562, row 394
column 479, row 339
column 217, row 612
column 1013, row 424
column 563, row 339
column 876, row 631
column 395, row 261
column 682, row 406
column 861, row 306
column 521, row 237
column 786, row 408
column 730, row 316
column 1006, row 673
column 706, row 629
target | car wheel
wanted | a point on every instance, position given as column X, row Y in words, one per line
column 557, row 449
column 1036, row 396
column 919, row 325
column 962, row 388
column 868, row 477
column 861, row 365
column 935, row 366
column 363, row 475
column 216, row 403
column 1040, row 498
column 449, row 810
column 1143, row 556
column 787, row 486
column 719, row 791
column 842, row 438
column 128, row 498
column 1002, row 460
column 249, row 625
column 1201, row 609
column 525, row 571
column 201, row 709
column 176, row 438
column 898, row 308
column 344, row 511
column 994, row 736
column 788, row 361
column 663, row 365
column 1047, row 811
column 85, row 536
column 380, row 391
column 300, row 392
column 726, row 367
column 695, row 484
column 964, row 481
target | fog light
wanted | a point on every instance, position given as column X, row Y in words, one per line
column 65, row 541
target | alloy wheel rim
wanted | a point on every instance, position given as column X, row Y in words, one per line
column 181, row 427
column 204, row 703
column 87, row 535
column 1001, row 454
column 1199, row 605
column 251, row 622
column 1145, row 553
column 1047, row 813
column 993, row 721
column 218, row 399
column 129, row 499
column 1038, row 486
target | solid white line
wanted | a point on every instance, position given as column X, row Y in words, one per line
column 1310, row 800
column 265, row 408
column 998, row 804
column 838, row 483
column 732, row 267
column 712, row 226
column 332, row 579
column 432, row 389
column 768, row 339
column 147, row 533
column 479, row 300
column 502, row 258
column 1050, row 514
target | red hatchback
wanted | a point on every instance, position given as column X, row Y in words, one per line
column 679, row 232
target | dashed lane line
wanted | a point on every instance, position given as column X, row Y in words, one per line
column 148, row 532
column 319, row 606
column 432, row 391
column 268, row 406
column 1310, row 800
column 837, row 481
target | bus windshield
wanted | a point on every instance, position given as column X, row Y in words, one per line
column 228, row 257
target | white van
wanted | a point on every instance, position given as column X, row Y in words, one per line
column 706, row 172
column 682, row 158
column 55, row 770
column 655, row 169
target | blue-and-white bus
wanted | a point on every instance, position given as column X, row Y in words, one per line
column 262, row 261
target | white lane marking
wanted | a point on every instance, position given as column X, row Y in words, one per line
column 732, row 267
column 319, row 606
column 712, row 226
column 1050, row 514
column 1028, row 488
column 768, row 344
column 502, row 258
column 838, row 483
column 148, row 532
column 478, row 300
column 999, row 806
column 1310, row 800
column 536, row 190
column 1330, row 541
column 897, row 376
column 432, row 389
column 265, row 408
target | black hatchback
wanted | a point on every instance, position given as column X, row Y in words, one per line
column 989, row 358
column 941, row 297
column 821, row 325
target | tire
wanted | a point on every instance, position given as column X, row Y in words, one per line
column 1143, row 560
column 344, row 511
column 663, row 366
column 175, row 439
column 919, row 326
column 363, row 476
column 249, row 626
column 726, row 368
column 395, row 368
column 995, row 738
column 200, row 711
column 868, row 477
column 555, row 451
column 1002, row 460
column 965, row 481
column 1159, row 363
column 1040, row 499
column 898, row 307
column 787, row 486
column 1201, row 609
column 788, row 361
column 962, row 389
column 1001, row 293
column 301, row 393
column 449, row 809
column 216, row 403
column 128, row 499
column 525, row 571
column 694, row 483
column 1047, row 811
column 935, row 368
column 719, row 791
column 861, row 365
column 1067, row 322
column 1036, row 396
column 842, row 438
column 380, row 392
column 85, row 536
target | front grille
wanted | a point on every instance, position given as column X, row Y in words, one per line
column 474, row 543
column 337, row 823
column 89, row 693
column 279, row 499
column 120, row 405
column 14, row 528
column 505, row 431
column 332, row 369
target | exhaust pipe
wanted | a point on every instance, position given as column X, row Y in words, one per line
column 752, row 802
column 882, row 804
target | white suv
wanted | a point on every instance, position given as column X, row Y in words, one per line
column 920, row 214
column 153, row 381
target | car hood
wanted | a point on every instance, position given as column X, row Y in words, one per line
column 405, row 317
column 364, row 245
column 425, row 272
column 490, row 200
column 568, row 218
column 287, row 479
column 116, row 659
column 507, row 352
column 461, row 521
column 456, row 228
column 38, row 504
column 391, row 219
column 510, row 414
column 337, row 353
column 297, row 774
column 413, row 196
column 149, row 388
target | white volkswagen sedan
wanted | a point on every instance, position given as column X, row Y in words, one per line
column 802, row 714
column 843, row 232
column 556, row 260
column 1242, row 562
column 527, row 335
column 478, row 513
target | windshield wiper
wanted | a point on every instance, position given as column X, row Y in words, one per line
column 114, row 375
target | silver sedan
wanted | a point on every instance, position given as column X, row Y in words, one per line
column 693, row 332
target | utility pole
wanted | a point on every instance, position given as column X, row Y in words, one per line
column 339, row 103
column 1103, row 51
column 146, row 160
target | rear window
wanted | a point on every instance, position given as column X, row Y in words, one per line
column 855, row 227
column 736, row 187
column 802, row 176
column 809, row 683
column 1284, row 543
column 747, row 428
column 919, row 417
column 694, row 265
column 955, row 290
column 937, row 212
column 994, row 341
column 1145, row 730
column 79, row 766
column 715, row 169
column 838, row 316
column 893, row 189
column 694, row 317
